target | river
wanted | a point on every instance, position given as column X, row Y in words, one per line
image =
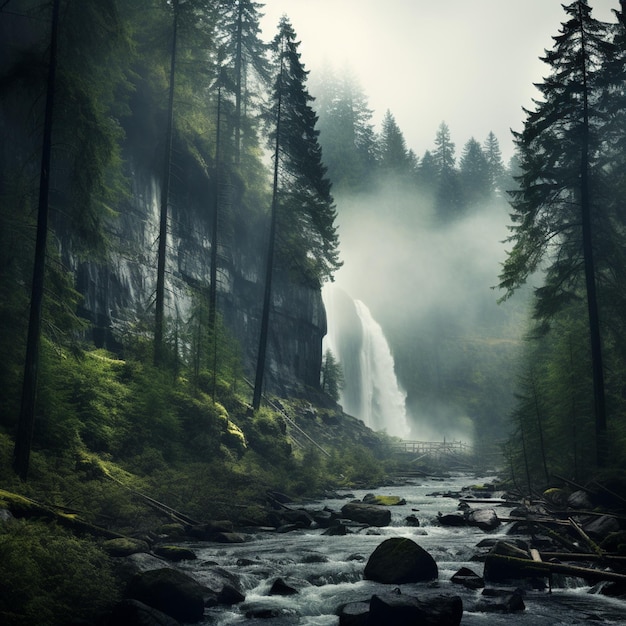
column 328, row 570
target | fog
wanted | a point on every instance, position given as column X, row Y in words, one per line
column 470, row 64
column 431, row 287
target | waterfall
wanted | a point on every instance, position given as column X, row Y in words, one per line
column 371, row 391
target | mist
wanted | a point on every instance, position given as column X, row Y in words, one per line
column 431, row 288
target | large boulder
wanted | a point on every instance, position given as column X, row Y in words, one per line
column 451, row 519
column 370, row 514
column 600, row 528
column 171, row 592
column 485, row 519
column 400, row 560
column 401, row 610
column 125, row 546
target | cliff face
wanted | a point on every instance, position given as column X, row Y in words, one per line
column 119, row 294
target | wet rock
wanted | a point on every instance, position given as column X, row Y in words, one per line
column 207, row 531
column 370, row 514
column 506, row 563
column 579, row 500
column 485, row 519
column 399, row 560
column 135, row 613
column 400, row 610
column 411, row 520
column 601, row 527
column 451, row 519
column 336, row 530
column 298, row 517
column 324, row 519
column 500, row 601
column 169, row 591
column 371, row 498
column 281, row 588
column 174, row 553
column 468, row 578
column 216, row 578
column 354, row 614
column 230, row 595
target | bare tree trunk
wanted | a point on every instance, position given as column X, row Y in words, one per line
column 24, row 437
column 590, row 278
column 267, row 295
column 165, row 192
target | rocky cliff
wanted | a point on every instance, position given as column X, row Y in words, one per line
column 119, row 293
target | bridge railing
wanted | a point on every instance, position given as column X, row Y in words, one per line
column 431, row 448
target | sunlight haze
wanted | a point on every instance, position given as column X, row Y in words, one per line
column 470, row 64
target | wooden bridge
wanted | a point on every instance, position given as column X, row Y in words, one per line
column 431, row 448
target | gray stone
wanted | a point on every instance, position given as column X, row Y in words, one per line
column 371, row 514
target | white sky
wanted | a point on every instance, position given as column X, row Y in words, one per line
column 470, row 63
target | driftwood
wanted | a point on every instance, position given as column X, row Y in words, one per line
column 583, row 556
column 545, row 568
column 585, row 537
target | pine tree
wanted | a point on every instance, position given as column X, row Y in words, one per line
column 497, row 171
column 307, row 239
column 303, row 238
column 448, row 199
column 559, row 210
column 474, row 174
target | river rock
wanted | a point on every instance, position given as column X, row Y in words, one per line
column 174, row 553
column 485, row 519
column 401, row 610
column 135, row 613
column 468, row 578
column 354, row 614
column 506, row 563
column 372, row 498
column 601, row 527
column 299, row 517
column 208, row 530
column 451, row 519
column 500, row 601
column 230, row 595
column 579, row 500
column 171, row 592
column 370, row 514
column 281, row 588
column 336, row 530
column 400, row 560
column 412, row 520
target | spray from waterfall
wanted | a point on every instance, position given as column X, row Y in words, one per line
column 371, row 391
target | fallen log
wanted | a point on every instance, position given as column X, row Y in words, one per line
column 27, row 508
column 595, row 548
column 583, row 556
column 529, row 568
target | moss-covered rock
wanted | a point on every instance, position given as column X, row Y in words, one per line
column 125, row 546
column 174, row 553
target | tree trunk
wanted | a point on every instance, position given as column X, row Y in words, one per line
column 267, row 295
column 165, row 192
column 590, row 278
column 24, row 437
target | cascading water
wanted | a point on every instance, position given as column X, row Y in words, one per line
column 371, row 391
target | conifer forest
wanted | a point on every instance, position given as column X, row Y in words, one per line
column 178, row 194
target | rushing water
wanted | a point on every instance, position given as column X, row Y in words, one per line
column 330, row 569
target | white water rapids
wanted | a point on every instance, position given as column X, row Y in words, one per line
column 328, row 570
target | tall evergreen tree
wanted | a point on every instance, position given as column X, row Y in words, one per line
column 559, row 209
column 448, row 200
column 303, row 236
column 474, row 174
column 246, row 71
column 497, row 171
column 392, row 150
